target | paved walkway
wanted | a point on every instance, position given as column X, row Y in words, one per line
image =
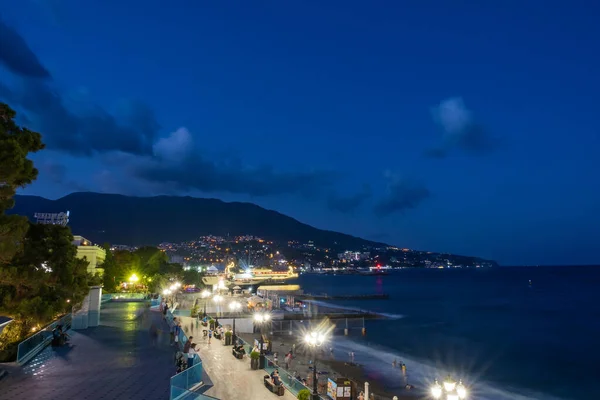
column 114, row 361
column 232, row 378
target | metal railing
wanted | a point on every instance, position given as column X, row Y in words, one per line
column 190, row 378
column 287, row 378
column 31, row 346
column 182, row 394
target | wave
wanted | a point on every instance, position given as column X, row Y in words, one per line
column 377, row 362
column 357, row 309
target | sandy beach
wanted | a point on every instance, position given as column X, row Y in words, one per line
column 334, row 362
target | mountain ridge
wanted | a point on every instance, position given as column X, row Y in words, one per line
column 138, row 220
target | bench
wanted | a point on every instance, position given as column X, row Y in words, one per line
column 239, row 354
column 277, row 389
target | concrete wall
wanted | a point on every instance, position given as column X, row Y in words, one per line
column 242, row 325
column 95, row 305
column 89, row 313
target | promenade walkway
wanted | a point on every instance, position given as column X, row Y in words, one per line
column 232, row 378
column 114, row 361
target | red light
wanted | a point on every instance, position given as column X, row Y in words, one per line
column 378, row 266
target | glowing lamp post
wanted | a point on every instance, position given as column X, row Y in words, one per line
column 205, row 295
column 450, row 390
column 260, row 319
column 313, row 340
column 235, row 307
column 218, row 299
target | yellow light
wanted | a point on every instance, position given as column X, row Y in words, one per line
column 133, row 278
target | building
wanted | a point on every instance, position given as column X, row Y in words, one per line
column 93, row 254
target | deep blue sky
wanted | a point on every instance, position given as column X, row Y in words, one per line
column 439, row 125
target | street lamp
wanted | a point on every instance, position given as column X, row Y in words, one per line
column 313, row 340
column 235, row 307
column 205, row 295
column 217, row 299
column 260, row 319
column 450, row 389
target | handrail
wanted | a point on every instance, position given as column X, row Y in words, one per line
column 293, row 386
column 190, row 378
column 31, row 346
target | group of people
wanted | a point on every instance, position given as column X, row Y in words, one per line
column 275, row 378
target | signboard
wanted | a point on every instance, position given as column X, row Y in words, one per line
column 340, row 389
column 332, row 389
column 61, row 218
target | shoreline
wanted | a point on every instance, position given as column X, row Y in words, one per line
column 331, row 362
column 421, row 372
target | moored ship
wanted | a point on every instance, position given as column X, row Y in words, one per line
column 250, row 277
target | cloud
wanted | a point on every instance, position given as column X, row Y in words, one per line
column 174, row 147
column 349, row 204
column 460, row 130
column 57, row 174
column 17, row 56
column 136, row 160
column 178, row 165
column 83, row 132
column 401, row 195
column 89, row 131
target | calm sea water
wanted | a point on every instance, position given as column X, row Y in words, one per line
column 489, row 324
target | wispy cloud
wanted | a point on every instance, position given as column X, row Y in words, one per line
column 349, row 204
column 401, row 194
column 459, row 130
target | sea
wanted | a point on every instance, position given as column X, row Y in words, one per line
column 508, row 332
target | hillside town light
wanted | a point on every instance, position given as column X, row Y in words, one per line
column 449, row 391
column 314, row 340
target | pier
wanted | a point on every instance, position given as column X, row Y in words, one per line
column 308, row 296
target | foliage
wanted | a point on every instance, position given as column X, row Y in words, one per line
column 42, row 282
column 127, row 263
column 16, row 170
column 255, row 355
column 40, row 276
column 228, row 333
column 172, row 269
column 152, row 260
column 304, row 394
column 149, row 263
column 40, row 279
column 193, row 277
column 111, row 271
column 194, row 311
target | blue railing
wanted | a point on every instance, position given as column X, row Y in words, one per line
column 155, row 302
column 31, row 346
column 190, row 378
column 182, row 394
column 288, row 379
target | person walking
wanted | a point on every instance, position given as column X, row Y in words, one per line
column 190, row 355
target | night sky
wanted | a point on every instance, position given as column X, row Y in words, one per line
column 438, row 125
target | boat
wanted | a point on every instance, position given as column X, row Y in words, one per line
column 251, row 277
